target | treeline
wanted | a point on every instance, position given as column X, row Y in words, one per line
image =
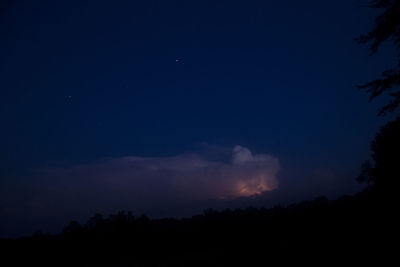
column 352, row 227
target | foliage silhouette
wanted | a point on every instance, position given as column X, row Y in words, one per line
column 366, row 173
column 385, row 152
column 387, row 28
column 384, row 173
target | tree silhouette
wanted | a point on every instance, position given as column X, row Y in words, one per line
column 72, row 227
column 366, row 175
column 385, row 152
column 387, row 28
column 384, row 173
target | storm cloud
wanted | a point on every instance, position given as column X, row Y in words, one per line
column 151, row 185
column 190, row 175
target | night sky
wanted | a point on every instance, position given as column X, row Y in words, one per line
column 170, row 107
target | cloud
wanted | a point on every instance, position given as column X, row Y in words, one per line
column 246, row 175
column 189, row 175
column 152, row 185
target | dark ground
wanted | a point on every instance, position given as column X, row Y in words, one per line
column 353, row 229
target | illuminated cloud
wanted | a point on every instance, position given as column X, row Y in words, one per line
column 190, row 176
column 152, row 185
column 193, row 176
column 245, row 175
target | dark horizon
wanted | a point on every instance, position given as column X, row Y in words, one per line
column 168, row 108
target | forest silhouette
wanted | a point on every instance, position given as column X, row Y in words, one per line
column 351, row 229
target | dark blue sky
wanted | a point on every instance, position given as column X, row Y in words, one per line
column 87, row 80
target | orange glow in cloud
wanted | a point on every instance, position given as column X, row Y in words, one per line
column 253, row 186
column 247, row 175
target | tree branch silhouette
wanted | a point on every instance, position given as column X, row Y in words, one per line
column 387, row 29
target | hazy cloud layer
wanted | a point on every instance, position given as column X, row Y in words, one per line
column 190, row 175
column 156, row 186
